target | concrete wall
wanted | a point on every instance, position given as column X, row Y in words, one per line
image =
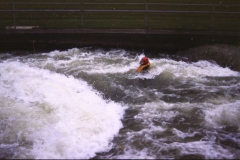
column 44, row 40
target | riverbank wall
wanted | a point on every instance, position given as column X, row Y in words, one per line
column 37, row 40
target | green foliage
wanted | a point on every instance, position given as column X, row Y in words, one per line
column 123, row 20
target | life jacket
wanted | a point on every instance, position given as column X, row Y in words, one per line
column 143, row 67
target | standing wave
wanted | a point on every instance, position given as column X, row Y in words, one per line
column 50, row 115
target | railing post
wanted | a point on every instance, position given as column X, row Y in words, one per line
column 213, row 12
column 82, row 14
column 14, row 16
column 146, row 14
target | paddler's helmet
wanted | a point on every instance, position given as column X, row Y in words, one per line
column 144, row 60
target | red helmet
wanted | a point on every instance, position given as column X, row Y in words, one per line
column 144, row 60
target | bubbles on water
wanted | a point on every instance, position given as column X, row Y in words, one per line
column 61, row 116
column 223, row 115
column 180, row 109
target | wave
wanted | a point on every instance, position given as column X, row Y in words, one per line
column 50, row 115
column 224, row 55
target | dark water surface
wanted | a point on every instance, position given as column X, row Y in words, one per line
column 90, row 103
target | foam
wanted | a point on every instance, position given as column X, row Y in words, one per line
column 195, row 70
column 58, row 116
column 207, row 148
column 223, row 115
column 62, row 116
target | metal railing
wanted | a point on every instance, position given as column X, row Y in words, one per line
column 82, row 9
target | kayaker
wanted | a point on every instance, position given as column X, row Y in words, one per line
column 144, row 65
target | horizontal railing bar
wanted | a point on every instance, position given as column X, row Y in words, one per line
column 82, row 3
column 157, row 11
column 129, row 11
column 179, row 4
column 63, row 3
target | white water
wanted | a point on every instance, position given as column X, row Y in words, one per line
column 62, row 116
column 49, row 108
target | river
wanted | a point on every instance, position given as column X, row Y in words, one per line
column 89, row 103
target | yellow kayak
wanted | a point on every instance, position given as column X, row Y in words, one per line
column 143, row 67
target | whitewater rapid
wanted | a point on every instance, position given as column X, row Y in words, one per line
column 90, row 103
column 49, row 115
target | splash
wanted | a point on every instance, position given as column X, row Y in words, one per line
column 54, row 116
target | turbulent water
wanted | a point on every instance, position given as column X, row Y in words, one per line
column 90, row 103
